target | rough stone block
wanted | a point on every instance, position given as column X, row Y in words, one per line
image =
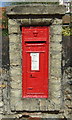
column 24, row 21
column 15, row 47
column 68, row 103
column 56, row 38
column 15, row 58
column 1, row 116
column 15, row 54
column 13, row 29
column 40, row 21
column 55, row 80
column 36, row 21
column 12, row 22
column 31, row 104
column 68, row 90
column 56, row 46
column 0, row 92
column 56, row 89
column 15, row 99
column 57, row 21
column 18, row 103
column 50, row 105
column 1, row 104
column 43, row 105
column 36, row 9
column 16, row 73
column 14, row 38
column 55, row 63
column 41, row 1
column 16, row 93
column 56, row 73
column 1, row 110
column 0, row 98
column 16, row 85
column 16, row 77
column 55, row 55
column 56, row 30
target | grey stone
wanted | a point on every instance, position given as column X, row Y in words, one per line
column 1, row 104
column 16, row 93
column 25, row 21
column 35, row 9
column 1, row 116
column 16, row 85
column 13, row 29
column 43, row 105
column 41, row 0
column 18, row 103
column 68, row 91
column 56, row 30
column 56, row 47
column 1, row 110
column 34, row 106
column 44, row 21
column 16, row 73
column 56, row 38
column 12, row 22
column 0, row 92
column 57, row 21
column 37, row 14
column 39, row 21
column 13, row 26
column 0, row 98
column 15, row 58
column 14, row 38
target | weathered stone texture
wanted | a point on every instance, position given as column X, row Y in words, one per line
column 41, row 0
column 67, row 98
column 60, row 99
column 38, row 21
column 33, row 104
column 67, row 77
column 36, row 9
column 13, row 26
column 17, row 103
column 57, row 29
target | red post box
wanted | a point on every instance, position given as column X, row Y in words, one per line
column 35, row 62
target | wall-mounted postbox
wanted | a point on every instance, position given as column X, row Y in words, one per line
column 35, row 62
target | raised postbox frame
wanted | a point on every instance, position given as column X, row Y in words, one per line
column 35, row 45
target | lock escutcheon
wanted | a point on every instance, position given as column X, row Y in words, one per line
column 35, row 33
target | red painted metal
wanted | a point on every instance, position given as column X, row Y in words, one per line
column 35, row 62
column 35, row 33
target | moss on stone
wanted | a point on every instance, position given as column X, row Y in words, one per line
column 67, row 31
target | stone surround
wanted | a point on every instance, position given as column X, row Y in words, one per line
column 31, row 15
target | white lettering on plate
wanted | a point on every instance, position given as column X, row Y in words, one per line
column 34, row 61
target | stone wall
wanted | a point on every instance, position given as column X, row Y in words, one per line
column 67, row 75
column 41, row 0
column 1, row 102
column 14, row 104
column 54, row 100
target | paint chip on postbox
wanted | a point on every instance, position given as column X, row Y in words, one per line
column 34, row 61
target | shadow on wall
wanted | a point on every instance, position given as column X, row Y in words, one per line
column 67, row 51
column 5, row 49
column 67, row 58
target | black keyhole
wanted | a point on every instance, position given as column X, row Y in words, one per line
column 31, row 75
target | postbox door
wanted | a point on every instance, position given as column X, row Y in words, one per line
column 36, row 83
column 35, row 64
